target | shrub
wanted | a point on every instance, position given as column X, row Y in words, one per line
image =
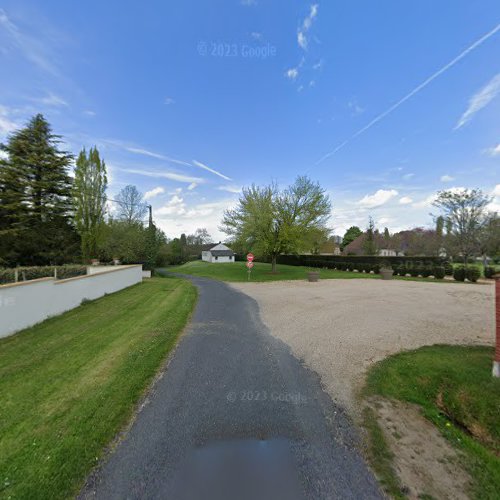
column 489, row 271
column 426, row 271
column 448, row 269
column 414, row 271
column 439, row 272
column 376, row 268
column 36, row 272
column 472, row 273
column 459, row 273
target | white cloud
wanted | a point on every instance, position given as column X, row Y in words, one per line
column 89, row 112
column 154, row 192
column 204, row 167
column 7, row 125
column 494, row 151
column 292, row 73
column 447, row 178
column 415, row 91
column 51, row 100
column 377, row 199
column 355, row 108
column 480, row 100
column 3, row 155
column 169, row 100
column 306, row 26
column 174, row 206
column 318, row 65
column 405, row 200
column 192, row 186
column 256, row 35
column 230, row 189
column 408, row 176
column 166, row 175
column 496, row 191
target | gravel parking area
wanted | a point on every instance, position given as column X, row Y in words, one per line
column 340, row 327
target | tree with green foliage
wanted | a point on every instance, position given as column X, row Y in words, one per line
column 350, row 235
column 465, row 213
column 271, row 222
column 369, row 245
column 35, row 197
column 89, row 195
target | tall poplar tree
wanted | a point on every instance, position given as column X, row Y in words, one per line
column 35, row 196
column 89, row 198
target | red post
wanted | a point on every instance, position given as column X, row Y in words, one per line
column 496, row 362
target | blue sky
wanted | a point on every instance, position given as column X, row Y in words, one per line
column 383, row 103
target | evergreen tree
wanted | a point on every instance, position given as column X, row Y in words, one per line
column 370, row 246
column 89, row 195
column 350, row 235
column 35, row 195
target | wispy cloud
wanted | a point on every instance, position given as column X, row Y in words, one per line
column 415, row 91
column 32, row 48
column 480, row 100
column 7, row 125
column 169, row 100
column 302, row 39
column 148, row 195
column 51, row 100
column 248, row 3
column 205, row 167
column 292, row 73
column 447, row 178
column 494, row 151
column 377, row 199
column 166, row 175
column 230, row 189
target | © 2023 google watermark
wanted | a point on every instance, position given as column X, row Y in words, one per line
column 246, row 51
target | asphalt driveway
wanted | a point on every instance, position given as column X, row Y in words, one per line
column 235, row 416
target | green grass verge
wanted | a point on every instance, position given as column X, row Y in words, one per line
column 237, row 271
column 69, row 384
column 454, row 387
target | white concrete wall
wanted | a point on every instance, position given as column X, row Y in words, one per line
column 206, row 256
column 221, row 260
column 26, row 303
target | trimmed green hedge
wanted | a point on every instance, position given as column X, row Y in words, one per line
column 353, row 261
column 36, row 272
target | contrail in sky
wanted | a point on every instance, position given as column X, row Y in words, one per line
column 416, row 90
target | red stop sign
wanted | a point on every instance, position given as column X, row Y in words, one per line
column 250, row 257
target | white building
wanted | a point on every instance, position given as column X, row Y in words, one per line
column 218, row 253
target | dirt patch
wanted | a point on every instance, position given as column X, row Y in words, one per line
column 425, row 463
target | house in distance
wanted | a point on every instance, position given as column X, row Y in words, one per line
column 218, row 253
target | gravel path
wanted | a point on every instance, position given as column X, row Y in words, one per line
column 340, row 327
column 235, row 415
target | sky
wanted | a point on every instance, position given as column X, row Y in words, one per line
column 383, row 103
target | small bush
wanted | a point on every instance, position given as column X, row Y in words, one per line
column 489, row 272
column 448, row 269
column 459, row 273
column 439, row 272
column 414, row 271
column 472, row 274
column 376, row 268
column 37, row 272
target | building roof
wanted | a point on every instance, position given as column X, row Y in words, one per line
column 221, row 250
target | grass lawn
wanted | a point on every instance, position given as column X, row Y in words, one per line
column 237, row 271
column 69, row 384
column 454, row 387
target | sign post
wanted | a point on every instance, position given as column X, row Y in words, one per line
column 249, row 264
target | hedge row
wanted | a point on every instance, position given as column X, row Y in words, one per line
column 328, row 260
column 35, row 272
